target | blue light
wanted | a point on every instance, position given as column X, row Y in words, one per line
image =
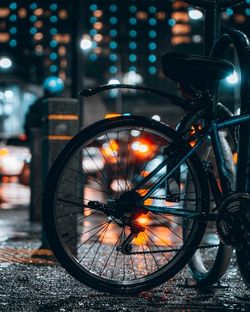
column 152, row 70
column 132, row 21
column 13, row 18
column 132, row 69
column 247, row 11
column 171, row 22
column 152, row 34
column 113, row 57
column 53, row 19
column 93, row 32
column 53, row 43
column 152, row 21
column 53, row 31
column 53, row 68
column 93, row 57
column 13, row 6
column 33, row 19
column 33, row 30
column 33, row 6
column 13, row 43
column 113, row 8
column 113, row 45
column 53, row 7
column 132, row 9
column 133, row 33
column 248, row 1
column 152, row 9
column 113, row 32
column 152, row 58
column 113, row 20
column 132, row 45
column 53, row 56
column 152, row 46
column 93, row 7
column 53, row 84
column 113, row 69
column 132, row 58
column 93, row 19
column 13, row 30
column 229, row 11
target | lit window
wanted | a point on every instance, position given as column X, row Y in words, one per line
column 22, row 13
column 98, row 25
column 53, row 7
column 152, row 70
column 93, row 7
column 132, row 8
column 132, row 21
column 98, row 38
column 63, row 14
column 152, row 34
column 38, row 12
column 152, row 9
column 113, row 32
column 98, row 13
column 38, row 36
column 13, row 43
column 13, row 6
column 152, row 21
column 132, row 58
column 4, row 12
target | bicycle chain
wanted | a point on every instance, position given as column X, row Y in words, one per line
column 168, row 250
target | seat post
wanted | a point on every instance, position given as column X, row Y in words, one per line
column 209, row 102
column 212, row 26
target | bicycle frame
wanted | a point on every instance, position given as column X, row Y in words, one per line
column 211, row 131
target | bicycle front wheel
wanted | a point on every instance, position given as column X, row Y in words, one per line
column 212, row 258
column 97, row 224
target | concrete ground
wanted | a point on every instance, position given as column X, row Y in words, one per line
column 31, row 281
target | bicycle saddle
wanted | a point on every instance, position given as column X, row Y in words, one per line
column 198, row 71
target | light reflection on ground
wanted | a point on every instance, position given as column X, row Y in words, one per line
column 14, row 194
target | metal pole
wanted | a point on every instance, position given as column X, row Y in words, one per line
column 212, row 27
column 74, row 49
column 77, row 9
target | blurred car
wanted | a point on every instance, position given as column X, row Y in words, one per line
column 14, row 155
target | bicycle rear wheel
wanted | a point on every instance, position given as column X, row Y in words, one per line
column 212, row 258
column 242, row 235
column 243, row 259
column 91, row 211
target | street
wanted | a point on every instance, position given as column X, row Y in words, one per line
column 37, row 283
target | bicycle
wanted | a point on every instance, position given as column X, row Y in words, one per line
column 145, row 207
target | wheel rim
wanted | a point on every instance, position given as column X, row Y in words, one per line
column 90, row 238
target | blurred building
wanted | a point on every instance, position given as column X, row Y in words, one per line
column 97, row 41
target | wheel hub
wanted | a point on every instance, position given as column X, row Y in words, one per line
column 128, row 204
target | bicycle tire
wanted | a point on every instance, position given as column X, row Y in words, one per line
column 242, row 233
column 67, row 256
column 207, row 274
column 243, row 261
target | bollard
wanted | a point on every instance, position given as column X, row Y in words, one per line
column 60, row 124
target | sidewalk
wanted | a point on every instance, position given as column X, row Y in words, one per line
column 36, row 284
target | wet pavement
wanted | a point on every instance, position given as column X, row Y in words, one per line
column 32, row 281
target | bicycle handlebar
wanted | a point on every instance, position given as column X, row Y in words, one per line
column 223, row 4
